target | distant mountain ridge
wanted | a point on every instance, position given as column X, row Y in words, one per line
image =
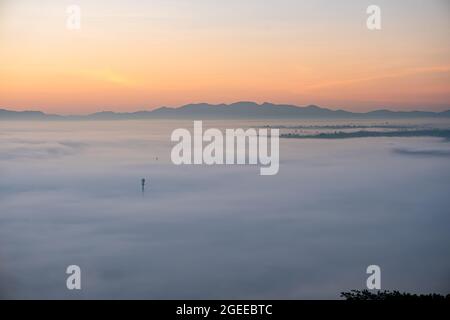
column 238, row 110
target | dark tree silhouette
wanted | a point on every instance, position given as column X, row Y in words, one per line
column 360, row 295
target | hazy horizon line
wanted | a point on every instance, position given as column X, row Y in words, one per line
column 106, row 109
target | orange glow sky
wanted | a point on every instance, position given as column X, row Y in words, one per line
column 136, row 55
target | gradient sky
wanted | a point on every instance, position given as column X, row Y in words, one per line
column 134, row 55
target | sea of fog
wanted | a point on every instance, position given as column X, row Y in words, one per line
column 70, row 194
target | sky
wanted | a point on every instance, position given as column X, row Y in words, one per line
column 135, row 55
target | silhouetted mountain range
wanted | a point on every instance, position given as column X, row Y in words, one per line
column 238, row 110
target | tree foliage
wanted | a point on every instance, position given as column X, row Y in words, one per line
column 366, row 295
